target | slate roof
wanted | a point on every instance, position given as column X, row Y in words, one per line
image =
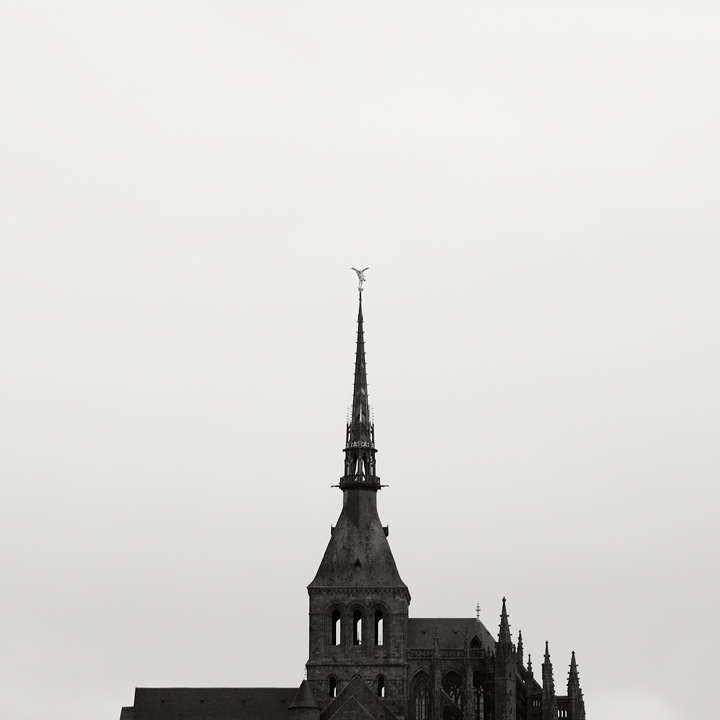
column 304, row 697
column 211, row 704
column 358, row 555
column 451, row 633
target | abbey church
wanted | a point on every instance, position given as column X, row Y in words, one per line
column 368, row 659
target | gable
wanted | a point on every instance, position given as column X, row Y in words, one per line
column 357, row 702
column 351, row 709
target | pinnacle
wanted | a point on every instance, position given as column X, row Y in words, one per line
column 573, row 679
column 504, row 637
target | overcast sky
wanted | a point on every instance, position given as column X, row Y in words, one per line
column 183, row 189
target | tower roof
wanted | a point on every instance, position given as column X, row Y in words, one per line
column 304, row 698
column 358, row 554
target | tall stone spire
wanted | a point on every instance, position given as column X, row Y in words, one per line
column 360, row 437
column 504, row 639
column 573, row 679
column 505, row 671
column 577, row 703
column 549, row 699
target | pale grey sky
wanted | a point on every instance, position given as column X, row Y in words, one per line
column 183, row 189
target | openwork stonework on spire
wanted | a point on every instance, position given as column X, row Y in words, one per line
column 360, row 436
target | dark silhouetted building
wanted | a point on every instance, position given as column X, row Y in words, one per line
column 369, row 659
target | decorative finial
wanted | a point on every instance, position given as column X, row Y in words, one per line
column 477, row 611
column 361, row 277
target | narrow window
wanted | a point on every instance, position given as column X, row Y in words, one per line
column 379, row 627
column 357, row 628
column 332, row 686
column 422, row 701
column 479, row 705
column 335, row 628
column 381, row 686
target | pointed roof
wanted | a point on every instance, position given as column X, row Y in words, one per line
column 504, row 637
column 573, row 677
column 358, row 554
column 360, row 427
column 304, row 698
column 547, row 673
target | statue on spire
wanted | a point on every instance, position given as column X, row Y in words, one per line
column 361, row 277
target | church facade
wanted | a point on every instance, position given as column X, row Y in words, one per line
column 368, row 659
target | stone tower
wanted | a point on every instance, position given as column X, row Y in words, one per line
column 358, row 602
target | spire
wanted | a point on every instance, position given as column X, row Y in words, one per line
column 573, row 685
column 573, row 679
column 577, row 703
column 504, row 645
column 360, row 439
column 360, row 428
column 520, row 647
column 549, row 699
column 505, row 671
column 358, row 554
column 547, row 672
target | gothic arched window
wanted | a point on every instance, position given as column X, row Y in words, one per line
column 479, row 704
column 453, row 687
column 381, row 686
column 421, row 699
column 332, row 686
column 357, row 627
